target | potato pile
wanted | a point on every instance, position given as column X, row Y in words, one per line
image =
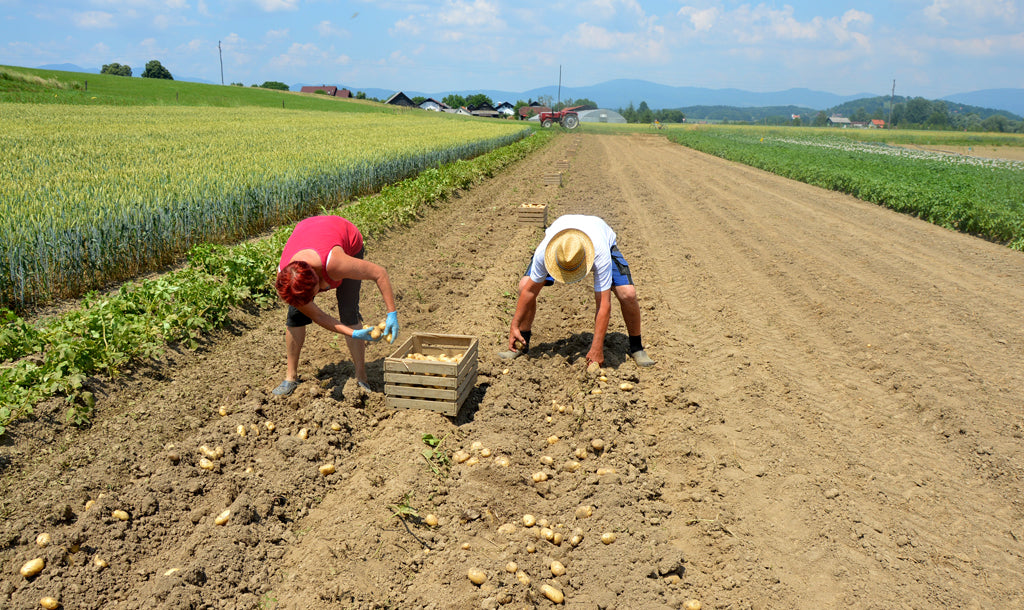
column 536, row 206
column 438, row 358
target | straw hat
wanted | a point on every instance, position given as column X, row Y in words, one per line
column 569, row 256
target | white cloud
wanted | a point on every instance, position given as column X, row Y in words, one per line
column 643, row 46
column 478, row 14
column 329, row 30
column 701, row 19
column 94, row 19
column 299, row 56
column 271, row 6
column 947, row 12
column 277, row 34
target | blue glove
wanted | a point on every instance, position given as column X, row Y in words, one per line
column 391, row 326
column 364, row 334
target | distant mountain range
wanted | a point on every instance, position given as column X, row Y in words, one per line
column 621, row 93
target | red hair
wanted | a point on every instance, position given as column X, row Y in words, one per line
column 297, row 283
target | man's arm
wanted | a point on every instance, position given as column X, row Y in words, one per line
column 603, row 300
column 525, row 306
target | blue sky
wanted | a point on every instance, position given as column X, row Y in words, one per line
column 931, row 48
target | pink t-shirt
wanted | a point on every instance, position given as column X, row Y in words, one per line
column 321, row 233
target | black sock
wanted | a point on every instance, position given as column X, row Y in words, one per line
column 635, row 344
column 526, row 339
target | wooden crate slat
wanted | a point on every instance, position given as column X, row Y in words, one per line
column 399, row 378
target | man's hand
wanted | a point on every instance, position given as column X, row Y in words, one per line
column 595, row 355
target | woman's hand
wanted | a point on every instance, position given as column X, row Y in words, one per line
column 391, row 326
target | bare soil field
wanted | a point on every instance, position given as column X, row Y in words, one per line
column 835, row 420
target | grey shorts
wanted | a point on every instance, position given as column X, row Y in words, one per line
column 348, row 305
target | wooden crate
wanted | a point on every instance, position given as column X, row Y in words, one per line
column 562, row 165
column 425, row 384
column 537, row 215
column 553, row 179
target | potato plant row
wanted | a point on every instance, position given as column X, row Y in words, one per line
column 56, row 356
column 91, row 195
column 980, row 198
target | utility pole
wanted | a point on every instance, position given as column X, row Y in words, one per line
column 892, row 100
column 221, row 53
column 559, row 85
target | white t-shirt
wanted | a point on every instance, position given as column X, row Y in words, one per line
column 599, row 233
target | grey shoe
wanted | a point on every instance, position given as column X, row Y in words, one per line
column 641, row 358
column 511, row 354
column 286, row 388
column 364, row 386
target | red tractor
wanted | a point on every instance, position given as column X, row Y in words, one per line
column 567, row 117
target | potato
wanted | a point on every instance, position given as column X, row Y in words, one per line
column 466, row 546
column 43, row 539
column 476, row 446
column 304, row 433
column 431, row 520
column 552, row 594
column 472, row 461
column 557, row 568
column 210, row 453
column 581, row 453
column 205, row 464
column 552, row 439
column 241, row 430
column 477, row 576
column 99, row 562
column 576, row 538
column 523, row 578
column 223, row 517
column 557, row 539
column 511, row 567
column 49, row 603
column 335, row 426
column 540, row 477
column 603, row 471
column 383, row 324
column 460, row 456
column 596, row 391
column 593, row 368
column 32, row 567
column 529, row 520
column 270, row 426
column 375, row 333
column 547, row 460
column 608, row 537
column 223, row 411
column 547, row 533
column 326, row 469
column 501, row 461
column 89, row 504
column 584, row 511
column 485, row 452
column 507, row 529
column 691, row 604
column 625, row 386
column 120, row 515
column 597, row 445
column 571, row 466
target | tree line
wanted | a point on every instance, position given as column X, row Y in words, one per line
column 154, row 69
